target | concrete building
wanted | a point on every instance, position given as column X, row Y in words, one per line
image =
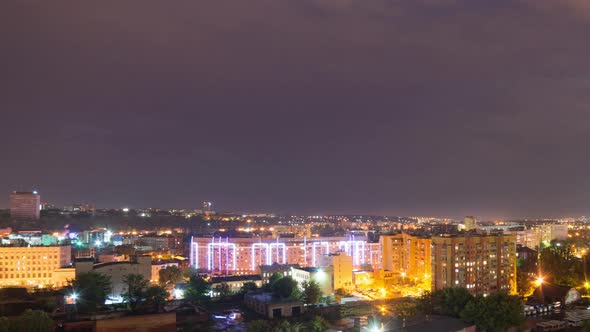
column 160, row 265
column 341, row 265
column 266, row 271
column 406, row 255
column 322, row 275
column 550, row 232
column 117, row 271
column 264, row 304
column 224, row 255
column 481, row 263
column 34, row 267
column 470, row 223
column 25, row 205
column 235, row 283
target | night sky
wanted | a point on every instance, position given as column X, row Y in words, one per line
column 417, row 107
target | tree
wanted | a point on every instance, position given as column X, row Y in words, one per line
column 223, row 290
column 285, row 288
column 135, row 292
column 188, row 272
column 170, row 275
column 198, row 289
column 92, row 289
column 258, row 325
column 318, row 324
column 311, row 292
column 494, row 313
column 425, row 304
column 272, row 280
column 404, row 310
column 451, row 300
column 33, row 321
column 126, row 250
column 559, row 264
column 524, row 283
column 248, row 287
column 156, row 296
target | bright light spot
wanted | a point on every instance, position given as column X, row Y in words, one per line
column 376, row 329
column 403, row 274
column 34, row 192
column 97, row 243
column 321, row 275
column 587, row 284
column 178, row 293
column 125, row 209
column 539, row 281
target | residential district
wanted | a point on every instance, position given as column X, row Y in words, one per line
column 80, row 268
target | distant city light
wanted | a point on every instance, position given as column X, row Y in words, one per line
column 125, row 209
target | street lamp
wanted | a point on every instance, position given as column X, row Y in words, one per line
column 539, row 281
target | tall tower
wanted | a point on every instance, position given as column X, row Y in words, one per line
column 25, row 205
column 470, row 223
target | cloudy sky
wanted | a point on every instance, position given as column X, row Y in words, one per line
column 404, row 107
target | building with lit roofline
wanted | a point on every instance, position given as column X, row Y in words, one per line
column 224, row 255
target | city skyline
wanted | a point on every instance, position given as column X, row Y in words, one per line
column 439, row 108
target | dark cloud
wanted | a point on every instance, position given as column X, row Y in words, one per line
column 447, row 107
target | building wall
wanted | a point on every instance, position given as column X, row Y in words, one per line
column 32, row 266
column 25, row 205
column 243, row 256
column 341, row 268
column 117, row 271
column 407, row 255
column 482, row 264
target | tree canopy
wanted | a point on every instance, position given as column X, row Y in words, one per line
column 135, row 287
column 311, row 293
column 93, row 289
column 494, row 313
column 170, row 275
column 285, row 288
column 198, row 289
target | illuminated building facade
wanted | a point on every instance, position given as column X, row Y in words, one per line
column 407, row 255
column 481, row 263
column 223, row 255
column 341, row 265
column 33, row 267
column 470, row 223
column 25, row 205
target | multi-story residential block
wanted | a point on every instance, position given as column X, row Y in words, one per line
column 224, row 255
column 33, row 267
column 481, row 263
column 25, row 205
column 406, row 255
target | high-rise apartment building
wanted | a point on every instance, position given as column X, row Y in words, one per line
column 481, row 263
column 406, row 255
column 25, row 205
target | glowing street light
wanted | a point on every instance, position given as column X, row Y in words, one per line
column 539, row 281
